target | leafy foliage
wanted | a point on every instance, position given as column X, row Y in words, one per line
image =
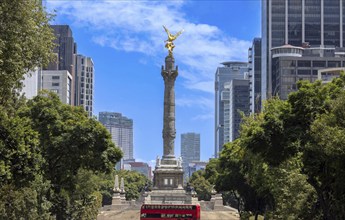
column 134, row 183
column 324, row 159
column 26, row 42
column 70, row 143
column 20, row 158
column 290, row 157
column 202, row 187
column 51, row 155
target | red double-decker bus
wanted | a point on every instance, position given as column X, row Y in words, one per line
column 169, row 212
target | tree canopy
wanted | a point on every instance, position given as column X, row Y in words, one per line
column 26, row 42
column 50, row 148
column 53, row 158
column 134, row 182
column 289, row 159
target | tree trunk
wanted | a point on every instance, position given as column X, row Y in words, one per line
column 256, row 216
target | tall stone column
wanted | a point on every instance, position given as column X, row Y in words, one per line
column 169, row 73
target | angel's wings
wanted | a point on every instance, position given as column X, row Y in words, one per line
column 170, row 36
column 166, row 30
column 178, row 34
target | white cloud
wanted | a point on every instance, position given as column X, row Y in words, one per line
column 203, row 117
column 136, row 26
column 205, row 103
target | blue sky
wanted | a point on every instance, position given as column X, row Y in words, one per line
column 126, row 42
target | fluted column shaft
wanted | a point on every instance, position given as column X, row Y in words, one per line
column 169, row 132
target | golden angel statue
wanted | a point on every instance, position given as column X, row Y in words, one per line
column 169, row 44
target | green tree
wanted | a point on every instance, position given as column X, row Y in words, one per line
column 201, row 185
column 316, row 111
column 134, row 183
column 284, row 153
column 23, row 191
column 20, row 158
column 211, row 171
column 26, row 42
column 50, row 154
column 324, row 159
column 69, row 141
column 293, row 197
column 234, row 177
column 86, row 198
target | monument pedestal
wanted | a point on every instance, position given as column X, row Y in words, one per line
column 168, row 184
column 168, row 174
column 116, row 200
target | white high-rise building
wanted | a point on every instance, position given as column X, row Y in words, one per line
column 121, row 130
column 60, row 82
column 84, row 83
column 224, row 75
column 32, row 83
column 235, row 99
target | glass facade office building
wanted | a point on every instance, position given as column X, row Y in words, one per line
column 121, row 130
column 254, row 61
column 190, row 150
column 300, row 23
column 287, row 70
column 235, row 99
column 229, row 71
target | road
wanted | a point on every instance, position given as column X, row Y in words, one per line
column 134, row 214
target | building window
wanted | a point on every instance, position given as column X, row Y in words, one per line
column 319, row 63
column 334, row 64
column 55, row 77
column 55, row 84
column 304, row 63
column 166, row 182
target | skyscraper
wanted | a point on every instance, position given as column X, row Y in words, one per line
column 190, row 150
column 299, row 23
column 121, row 130
column 254, row 60
column 235, row 99
column 65, row 51
column 80, row 67
column 224, row 74
column 84, row 83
